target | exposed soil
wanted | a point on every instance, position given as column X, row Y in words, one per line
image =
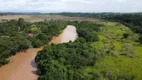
column 36, row 18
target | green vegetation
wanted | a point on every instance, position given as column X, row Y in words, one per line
column 14, row 36
column 115, row 54
column 102, row 51
column 122, row 55
column 131, row 20
column 68, row 60
column 65, row 61
column 12, row 39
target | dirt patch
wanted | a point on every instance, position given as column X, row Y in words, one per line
column 36, row 18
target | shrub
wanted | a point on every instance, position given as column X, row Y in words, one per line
column 128, row 50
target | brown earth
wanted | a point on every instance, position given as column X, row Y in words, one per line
column 36, row 18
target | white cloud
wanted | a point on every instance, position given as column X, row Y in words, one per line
column 71, row 5
column 121, row 1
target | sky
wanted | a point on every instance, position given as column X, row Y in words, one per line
column 70, row 6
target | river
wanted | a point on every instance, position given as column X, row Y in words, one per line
column 23, row 66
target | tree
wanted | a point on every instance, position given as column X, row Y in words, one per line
column 125, row 35
column 128, row 50
column 140, row 39
column 21, row 23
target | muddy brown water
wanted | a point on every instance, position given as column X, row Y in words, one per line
column 23, row 66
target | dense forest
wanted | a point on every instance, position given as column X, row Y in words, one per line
column 18, row 35
column 67, row 61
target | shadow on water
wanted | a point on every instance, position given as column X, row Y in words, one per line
column 33, row 64
column 34, row 72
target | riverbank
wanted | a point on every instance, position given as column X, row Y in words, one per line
column 23, row 66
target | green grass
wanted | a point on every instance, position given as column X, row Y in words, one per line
column 122, row 65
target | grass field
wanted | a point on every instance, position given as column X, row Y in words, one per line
column 111, row 34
